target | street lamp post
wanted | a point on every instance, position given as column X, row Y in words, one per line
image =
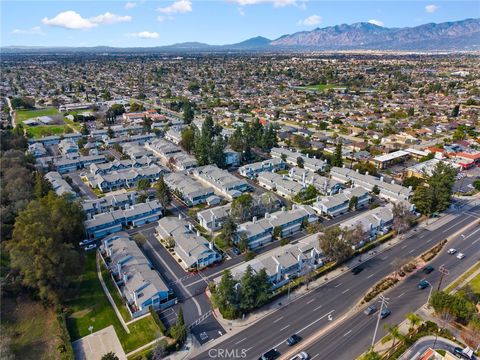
column 384, row 301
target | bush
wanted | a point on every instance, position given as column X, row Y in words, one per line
column 249, row 255
column 65, row 349
column 158, row 321
column 380, row 287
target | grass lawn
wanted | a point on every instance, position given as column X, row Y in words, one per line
column 72, row 124
column 22, row 115
column 114, row 292
column 475, row 284
column 321, row 87
column 30, row 330
column 47, row 130
column 90, row 307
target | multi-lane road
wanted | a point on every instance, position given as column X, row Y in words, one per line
column 309, row 314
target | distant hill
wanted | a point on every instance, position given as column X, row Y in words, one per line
column 463, row 34
column 456, row 35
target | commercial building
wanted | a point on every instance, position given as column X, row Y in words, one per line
column 194, row 250
column 134, row 276
column 386, row 160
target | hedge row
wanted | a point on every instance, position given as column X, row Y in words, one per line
column 158, row 321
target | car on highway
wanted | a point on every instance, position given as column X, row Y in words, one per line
column 90, row 247
column 357, row 270
column 451, row 251
column 271, row 354
column 423, row 284
column 292, row 340
column 460, row 256
column 370, row 310
column 428, row 269
column 301, row 356
column 86, row 242
column 385, row 313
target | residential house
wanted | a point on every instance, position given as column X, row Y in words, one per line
column 374, row 222
column 212, row 219
column 109, row 203
column 252, row 170
column 59, row 185
column 221, row 181
column 189, row 190
column 340, row 203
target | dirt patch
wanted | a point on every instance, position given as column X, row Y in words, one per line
column 80, row 314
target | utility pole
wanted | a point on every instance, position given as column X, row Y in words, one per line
column 384, row 301
column 443, row 271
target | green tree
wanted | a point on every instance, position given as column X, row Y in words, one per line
column 402, row 218
column 337, row 155
column 456, row 110
column 248, row 291
column 216, row 155
column 136, row 107
column 277, row 232
column 262, row 285
column 225, row 295
column 300, row 162
column 241, row 209
column 143, row 184
column 163, row 193
column 414, row 321
column 332, row 242
column 376, row 190
column 42, row 187
column 179, row 330
column 370, row 355
column 229, row 229
column 353, row 203
column 110, row 356
column 44, row 246
column 188, row 139
column 188, row 112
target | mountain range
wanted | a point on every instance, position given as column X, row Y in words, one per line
column 456, row 35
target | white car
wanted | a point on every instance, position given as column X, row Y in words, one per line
column 90, row 247
column 460, row 256
column 301, row 356
column 86, row 242
column 451, row 251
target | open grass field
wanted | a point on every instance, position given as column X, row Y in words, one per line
column 47, row 130
column 90, row 307
column 22, row 115
column 30, row 330
column 320, row 87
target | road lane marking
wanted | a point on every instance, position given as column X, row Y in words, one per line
column 310, row 301
column 314, row 356
column 345, row 291
column 337, row 285
column 284, row 327
column 451, row 227
column 369, row 276
column 239, row 341
column 472, row 234
column 280, row 318
column 429, row 240
column 401, row 294
column 475, row 241
column 313, row 322
column 404, row 246
column 348, row 332
column 318, row 307
column 411, row 251
column 250, row 348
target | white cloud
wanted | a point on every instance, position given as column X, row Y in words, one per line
column 109, row 18
column 376, row 22
column 311, row 20
column 431, row 8
column 276, row 3
column 145, row 35
column 36, row 30
column 130, row 5
column 161, row 18
column 178, row 6
column 69, row 20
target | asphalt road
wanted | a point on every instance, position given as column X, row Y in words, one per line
column 309, row 314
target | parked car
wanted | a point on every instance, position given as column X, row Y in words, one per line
column 451, row 251
column 236, row 251
column 428, row 269
column 271, row 354
column 292, row 340
column 370, row 310
column 460, row 256
column 90, row 247
column 301, row 356
column 86, row 242
column 459, row 353
column 357, row 270
column 423, row 284
column 385, row 313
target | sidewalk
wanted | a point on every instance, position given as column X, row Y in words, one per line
column 110, row 299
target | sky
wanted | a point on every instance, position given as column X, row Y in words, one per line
column 154, row 23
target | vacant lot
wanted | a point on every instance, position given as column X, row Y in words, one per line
column 90, row 307
column 30, row 330
column 23, row 115
column 45, row 130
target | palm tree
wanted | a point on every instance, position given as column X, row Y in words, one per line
column 414, row 320
column 394, row 333
column 370, row 355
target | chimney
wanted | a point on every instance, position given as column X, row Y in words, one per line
column 343, row 166
column 125, row 277
column 210, row 245
column 119, row 268
column 381, row 178
column 299, row 260
column 283, row 208
column 198, row 233
column 190, row 227
column 279, row 272
column 179, row 216
column 318, row 198
column 392, row 182
column 254, row 220
column 410, row 188
column 366, row 172
column 356, row 170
